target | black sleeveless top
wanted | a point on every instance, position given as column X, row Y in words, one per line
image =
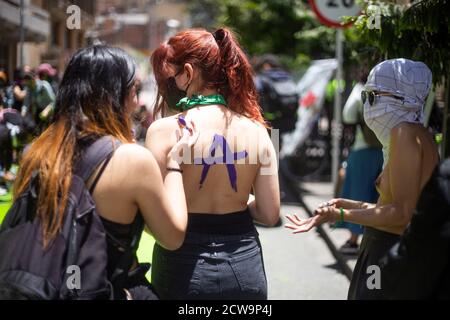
column 120, row 238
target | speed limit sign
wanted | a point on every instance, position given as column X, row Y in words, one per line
column 330, row 12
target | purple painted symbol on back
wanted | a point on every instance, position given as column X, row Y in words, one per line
column 228, row 158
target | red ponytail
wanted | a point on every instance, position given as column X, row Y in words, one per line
column 223, row 65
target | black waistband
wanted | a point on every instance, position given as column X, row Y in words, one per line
column 230, row 223
column 381, row 235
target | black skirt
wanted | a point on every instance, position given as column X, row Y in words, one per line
column 221, row 258
column 375, row 245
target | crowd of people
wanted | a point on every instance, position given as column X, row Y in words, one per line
column 199, row 184
column 26, row 104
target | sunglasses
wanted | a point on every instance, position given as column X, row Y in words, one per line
column 370, row 95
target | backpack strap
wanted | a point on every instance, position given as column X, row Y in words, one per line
column 99, row 151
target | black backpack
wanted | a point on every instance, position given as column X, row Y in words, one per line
column 74, row 266
column 278, row 95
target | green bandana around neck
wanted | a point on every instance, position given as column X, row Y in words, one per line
column 199, row 100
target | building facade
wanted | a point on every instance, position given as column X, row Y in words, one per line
column 45, row 33
column 139, row 24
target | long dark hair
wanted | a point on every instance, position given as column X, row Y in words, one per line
column 90, row 103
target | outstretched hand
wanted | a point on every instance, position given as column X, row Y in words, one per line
column 321, row 215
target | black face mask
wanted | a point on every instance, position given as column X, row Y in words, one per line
column 173, row 93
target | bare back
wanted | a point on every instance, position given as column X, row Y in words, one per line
column 409, row 168
column 224, row 163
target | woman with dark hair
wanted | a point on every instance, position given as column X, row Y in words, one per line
column 206, row 77
column 95, row 99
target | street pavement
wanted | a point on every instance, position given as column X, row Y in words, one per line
column 315, row 193
column 300, row 267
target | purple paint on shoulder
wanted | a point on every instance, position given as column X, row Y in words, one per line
column 182, row 121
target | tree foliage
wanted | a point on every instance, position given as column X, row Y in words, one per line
column 286, row 28
column 289, row 29
column 419, row 31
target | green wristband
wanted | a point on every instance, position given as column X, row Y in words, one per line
column 341, row 221
column 341, row 210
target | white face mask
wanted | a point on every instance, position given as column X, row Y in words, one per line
column 385, row 114
column 403, row 78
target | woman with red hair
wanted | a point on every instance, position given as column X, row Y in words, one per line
column 205, row 78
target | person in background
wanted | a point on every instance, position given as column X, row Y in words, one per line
column 46, row 72
column 6, row 91
column 7, row 128
column 19, row 90
column 277, row 93
column 364, row 163
column 394, row 98
column 40, row 100
column 23, row 119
